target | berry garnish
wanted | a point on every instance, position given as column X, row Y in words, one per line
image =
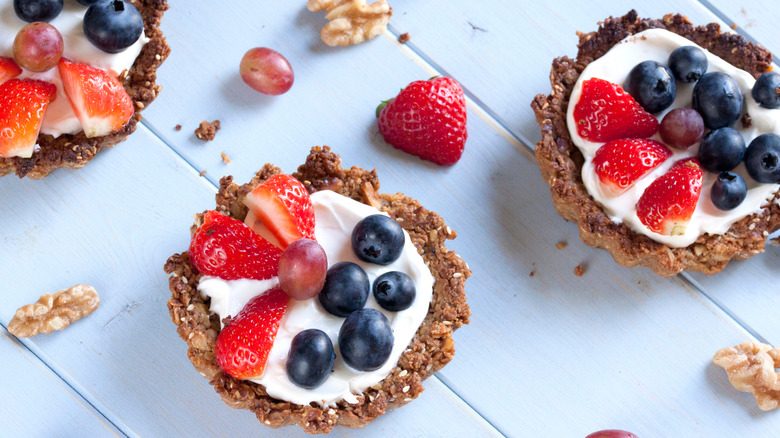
column 688, row 63
column 366, row 340
column 762, row 159
column 620, row 163
column 766, row 90
column 112, row 26
column 718, row 99
column 266, row 71
column 38, row 47
column 611, row 433
column 37, row 10
column 605, row 112
column 728, row 191
column 394, row 291
column 226, row 248
column 23, row 104
column 427, row 119
column 721, row 149
column 345, row 290
column 668, row 203
column 8, row 69
column 311, row 357
column 652, row 85
column 302, row 269
column 283, row 206
column 681, row 128
column 378, row 239
column 243, row 344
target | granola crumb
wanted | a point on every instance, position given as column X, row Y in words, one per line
column 532, row 273
column 177, row 127
column 208, row 130
column 202, row 172
column 734, row 26
column 225, row 158
column 747, row 121
column 561, row 245
column 403, row 38
column 579, row 271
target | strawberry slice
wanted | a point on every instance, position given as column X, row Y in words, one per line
column 620, row 163
column 243, row 344
column 23, row 104
column 226, row 248
column 8, row 69
column 283, row 206
column 606, row 112
column 667, row 204
column 98, row 99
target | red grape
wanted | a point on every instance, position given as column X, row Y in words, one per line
column 302, row 269
column 611, row 433
column 38, row 47
column 681, row 127
column 266, row 71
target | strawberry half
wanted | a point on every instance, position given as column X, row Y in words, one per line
column 243, row 344
column 620, row 163
column 427, row 119
column 23, row 104
column 98, row 99
column 283, row 206
column 226, row 248
column 8, row 69
column 606, row 112
column 668, row 203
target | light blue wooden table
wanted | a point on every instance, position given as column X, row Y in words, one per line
column 548, row 355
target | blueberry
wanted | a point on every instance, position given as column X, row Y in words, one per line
column 728, row 191
column 37, row 10
column 345, row 290
column 311, row 357
column 366, row 340
column 394, row 291
column 688, row 63
column 652, row 85
column 113, row 25
column 721, row 149
column 378, row 239
column 765, row 90
column 762, row 159
column 718, row 99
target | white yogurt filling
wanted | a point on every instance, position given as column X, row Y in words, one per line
column 614, row 66
column 60, row 118
column 335, row 216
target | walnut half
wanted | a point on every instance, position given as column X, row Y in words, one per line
column 54, row 311
column 751, row 368
column 351, row 21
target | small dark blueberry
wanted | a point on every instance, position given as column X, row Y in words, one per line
column 394, row 291
column 378, row 239
column 652, row 85
column 345, row 290
column 718, row 99
column 311, row 357
column 688, row 63
column 762, row 159
column 766, row 90
column 366, row 340
column 728, row 191
column 113, row 25
column 721, row 149
column 37, row 10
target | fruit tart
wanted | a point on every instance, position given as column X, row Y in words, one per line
column 661, row 141
column 73, row 77
column 312, row 299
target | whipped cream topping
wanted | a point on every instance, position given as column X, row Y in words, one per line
column 335, row 217
column 614, row 66
column 59, row 118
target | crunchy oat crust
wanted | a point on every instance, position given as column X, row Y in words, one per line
column 560, row 161
column 75, row 151
column 431, row 348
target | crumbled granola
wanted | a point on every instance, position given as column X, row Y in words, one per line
column 351, row 21
column 403, row 38
column 579, row 270
column 54, row 311
column 208, row 130
column 751, row 367
column 225, row 158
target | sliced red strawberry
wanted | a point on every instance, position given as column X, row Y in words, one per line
column 283, row 206
column 23, row 104
column 226, row 248
column 8, row 69
column 243, row 344
column 668, row 203
column 620, row 163
column 606, row 112
column 98, row 99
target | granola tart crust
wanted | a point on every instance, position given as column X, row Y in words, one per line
column 431, row 348
column 76, row 150
column 560, row 161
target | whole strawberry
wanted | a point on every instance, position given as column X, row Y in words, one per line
column 427, row 119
